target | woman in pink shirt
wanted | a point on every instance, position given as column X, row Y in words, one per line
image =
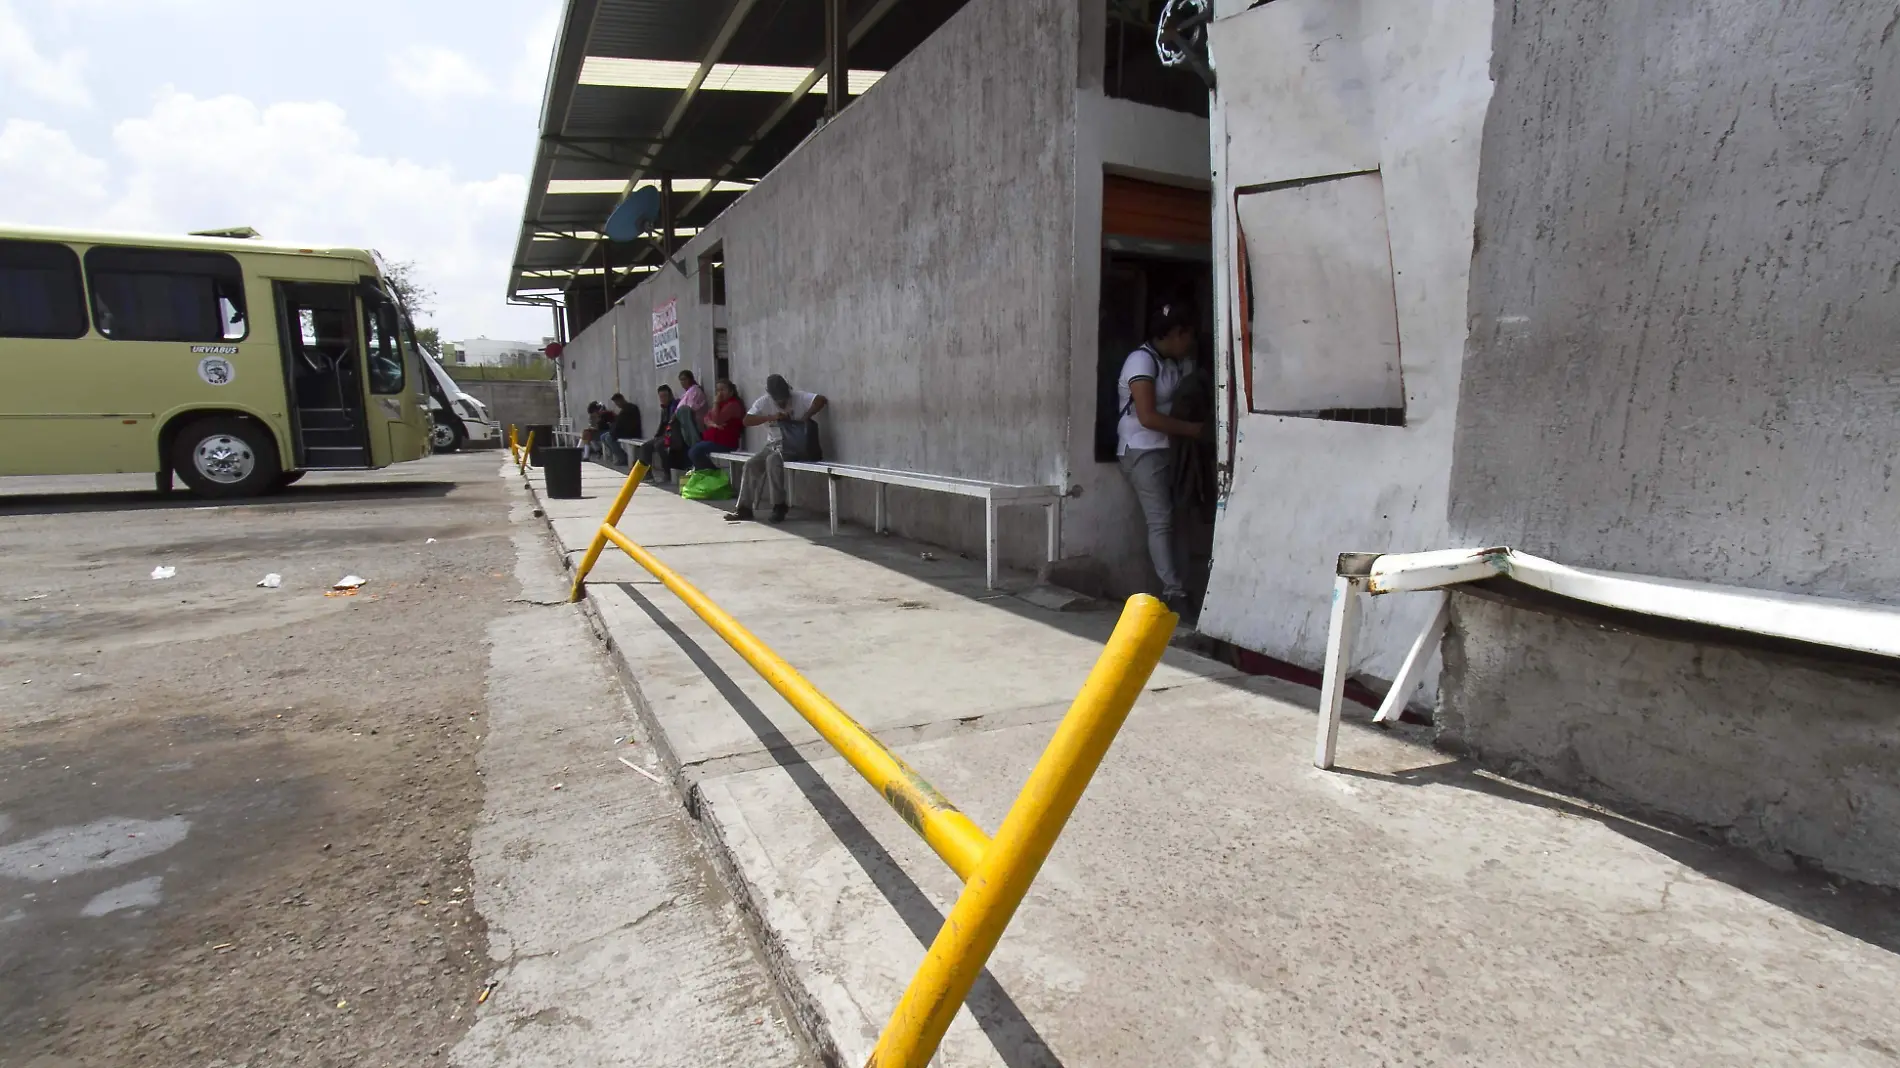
column 691, row 396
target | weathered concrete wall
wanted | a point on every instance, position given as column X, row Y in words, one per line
column 517, row 403
column 615, row 354
column 1400, row 87
column 1780, row 755
column 1685, row 299
column 912, row 262
column 1682, row 363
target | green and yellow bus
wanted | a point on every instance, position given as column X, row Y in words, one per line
column 236, row 364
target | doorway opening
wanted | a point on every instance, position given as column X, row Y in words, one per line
column 1156, row 248
column 317, row 322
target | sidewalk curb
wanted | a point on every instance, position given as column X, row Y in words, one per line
column 806, row 1010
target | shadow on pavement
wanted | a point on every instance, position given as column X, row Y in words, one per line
column 1016, row 1039
column 1868, row 913
column 146, row 500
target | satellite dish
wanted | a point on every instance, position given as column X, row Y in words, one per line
column 636, row 215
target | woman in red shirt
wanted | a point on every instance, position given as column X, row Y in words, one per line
column 724, row 425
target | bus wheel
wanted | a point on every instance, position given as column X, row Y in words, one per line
column 447, row 436
column 226, row 457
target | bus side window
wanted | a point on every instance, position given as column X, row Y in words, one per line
column 157, row 295
column 40, row 292
column 385, row 356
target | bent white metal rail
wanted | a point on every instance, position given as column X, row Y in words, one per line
column 1824, row 621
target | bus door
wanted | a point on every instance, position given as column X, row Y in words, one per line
column 322, row 369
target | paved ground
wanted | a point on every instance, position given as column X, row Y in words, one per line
column 1216, row 901
column 235, row 822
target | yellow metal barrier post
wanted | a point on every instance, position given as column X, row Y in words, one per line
column 955, row 837
column 514, row 444
column 527, row 450
column 996, row 874
column 634, row 477
column 1029, row 831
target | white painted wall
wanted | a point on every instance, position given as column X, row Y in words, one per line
column 1314, row 87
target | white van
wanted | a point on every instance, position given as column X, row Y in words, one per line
column 459, row 417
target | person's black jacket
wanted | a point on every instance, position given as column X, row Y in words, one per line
column 627, row 422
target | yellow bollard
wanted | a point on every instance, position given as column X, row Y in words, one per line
column 527, row 450
column 992, row 894
column 954, row 836
column 634, row 477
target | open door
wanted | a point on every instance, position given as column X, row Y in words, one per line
column 317, row 321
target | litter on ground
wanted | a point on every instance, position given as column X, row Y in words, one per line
column 162, row 572
column 271, row 581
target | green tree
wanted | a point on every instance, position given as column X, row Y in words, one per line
column 405, row 279
column 430, row 339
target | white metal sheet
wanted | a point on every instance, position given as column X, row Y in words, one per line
column 1325, row 321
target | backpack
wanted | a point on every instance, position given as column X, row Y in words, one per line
column 798, row 441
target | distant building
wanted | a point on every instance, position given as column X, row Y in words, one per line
column 485, row 352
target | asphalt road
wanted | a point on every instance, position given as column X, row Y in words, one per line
column 234, row 820
column 245, row 826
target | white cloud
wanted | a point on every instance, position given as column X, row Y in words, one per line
column 58, row 79
column 438, row 74
column 297, row 172
column 48, row 178
column 531, row 70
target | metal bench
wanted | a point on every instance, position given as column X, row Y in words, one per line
column 1801, row 619
column 995, row 496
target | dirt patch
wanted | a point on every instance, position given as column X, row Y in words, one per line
column 234, row 822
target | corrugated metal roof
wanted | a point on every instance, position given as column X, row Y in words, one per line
column 609, row 132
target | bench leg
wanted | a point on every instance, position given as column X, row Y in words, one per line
column 1332, row 687
column 831, row 492
column 1055, row 530
column 1415, row 660
column 881, row 519
column 989, row 543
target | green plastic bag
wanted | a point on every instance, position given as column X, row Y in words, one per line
column 706, row 486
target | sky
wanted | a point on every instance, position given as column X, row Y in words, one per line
column 405, row 126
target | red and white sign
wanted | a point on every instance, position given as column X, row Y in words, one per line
column 666, row 333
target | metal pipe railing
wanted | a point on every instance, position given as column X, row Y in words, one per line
column 996, row 873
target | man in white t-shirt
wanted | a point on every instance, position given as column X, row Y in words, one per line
column 764, row 473
column 1150, row 376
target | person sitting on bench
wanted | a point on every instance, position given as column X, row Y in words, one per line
column 765, row 472
column 725, row 424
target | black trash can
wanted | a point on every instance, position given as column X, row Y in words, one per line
column 561, row 464
column 543, row 435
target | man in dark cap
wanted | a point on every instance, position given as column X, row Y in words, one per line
column 765, row 471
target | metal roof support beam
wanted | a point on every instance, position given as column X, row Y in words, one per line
column 864, row 26
column 837, row 47
column 666, row 214
column 734, row 20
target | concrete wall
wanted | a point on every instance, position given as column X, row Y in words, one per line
column 1778, row 755
column 517, row 403
column 1319, row 87
column 615, row 353
column 934, row 270
column 1682, row 363
column 1686, row 299
column 913, row 262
